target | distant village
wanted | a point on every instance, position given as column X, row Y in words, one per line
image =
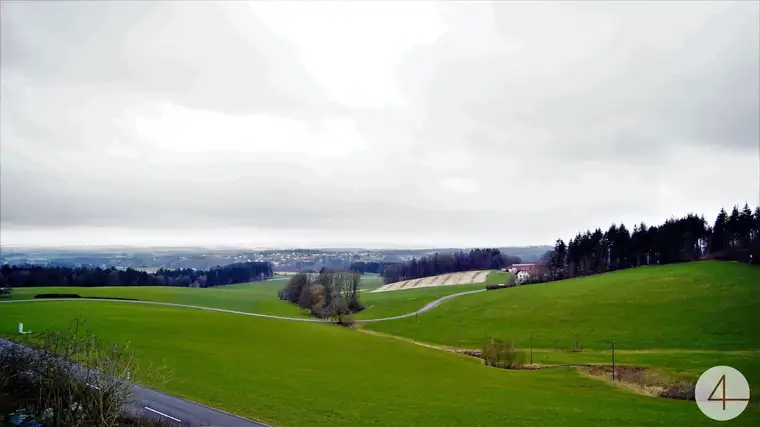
column 288, row 260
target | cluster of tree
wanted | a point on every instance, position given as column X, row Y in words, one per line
column 328, row 294
column 476, row 259
column 733, row 236
column 35, row 276
column 376, row 267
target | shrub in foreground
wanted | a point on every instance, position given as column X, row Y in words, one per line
column 49, row 377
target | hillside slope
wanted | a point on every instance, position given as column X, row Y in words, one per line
column 702, row 305
column 292, row 374
column 448, row 279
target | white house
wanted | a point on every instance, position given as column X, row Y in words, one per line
column 522, row 277
column 522, row 272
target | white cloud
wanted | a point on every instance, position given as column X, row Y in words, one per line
column 175, row 129
column 354, row 49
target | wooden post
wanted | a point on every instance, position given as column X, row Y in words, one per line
column 613, row 360
column 531, row 349
column 459, row 332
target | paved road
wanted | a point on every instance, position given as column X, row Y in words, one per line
column 150, row 403
column 427, row 307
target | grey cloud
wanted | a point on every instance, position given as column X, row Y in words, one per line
column 627, row 94
column 541, row 111
column 188, row 52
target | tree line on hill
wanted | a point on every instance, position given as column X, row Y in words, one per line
column 476, row 259
column 38, row 276
column 375, row 267
column 327, row 294
column 734, row 236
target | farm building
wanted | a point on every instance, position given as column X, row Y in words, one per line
column 522, row 272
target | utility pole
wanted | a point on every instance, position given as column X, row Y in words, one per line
column 459, row 332
column 613, row 360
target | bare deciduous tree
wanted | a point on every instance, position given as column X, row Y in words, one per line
column 70, row 378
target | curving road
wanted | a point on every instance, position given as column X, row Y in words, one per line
column 429, row 306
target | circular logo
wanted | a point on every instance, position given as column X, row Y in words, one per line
column 722, row 393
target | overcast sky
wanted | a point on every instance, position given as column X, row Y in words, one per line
column 390, row 124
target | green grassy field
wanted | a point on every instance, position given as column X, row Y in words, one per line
column 683, row 318
column 297, row 374
column 677, row 319
column 394, row 303
column 255, row 297
column 371, row 281
column 261, row 297
column 704, row 305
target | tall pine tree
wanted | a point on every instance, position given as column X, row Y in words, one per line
column 719, row 240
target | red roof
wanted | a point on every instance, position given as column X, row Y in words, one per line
column 533, row 269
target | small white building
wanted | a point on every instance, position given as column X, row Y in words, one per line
column 522, row 272
column 522, row 276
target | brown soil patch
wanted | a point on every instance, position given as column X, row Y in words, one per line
column 643, row 380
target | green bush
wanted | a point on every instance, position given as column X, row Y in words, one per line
column 502, row 354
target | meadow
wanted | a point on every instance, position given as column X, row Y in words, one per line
column 677, row 319
column 261, row 297
column 701, row 305
column 295, row 374
column 681, row 318
column 394, row 303
column 255, row 297
column 371, row 281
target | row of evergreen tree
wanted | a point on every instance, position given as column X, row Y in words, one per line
column 733, row 236
column 375, row 267
column 36, row 276
column 476, row 259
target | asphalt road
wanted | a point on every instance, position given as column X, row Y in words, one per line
column 429, row 306
column 151, row 403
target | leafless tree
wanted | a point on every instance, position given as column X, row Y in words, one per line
column 70, row 378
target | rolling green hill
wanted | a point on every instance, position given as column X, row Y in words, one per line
column 701, row 305
column 255, row 297
column 261, row 297
column 302, row 374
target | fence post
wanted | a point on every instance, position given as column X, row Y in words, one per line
column 459, row 333
column 613, row 360
column 531, row 349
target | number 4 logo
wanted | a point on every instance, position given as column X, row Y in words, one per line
column 723, row 397
column 722, row 393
